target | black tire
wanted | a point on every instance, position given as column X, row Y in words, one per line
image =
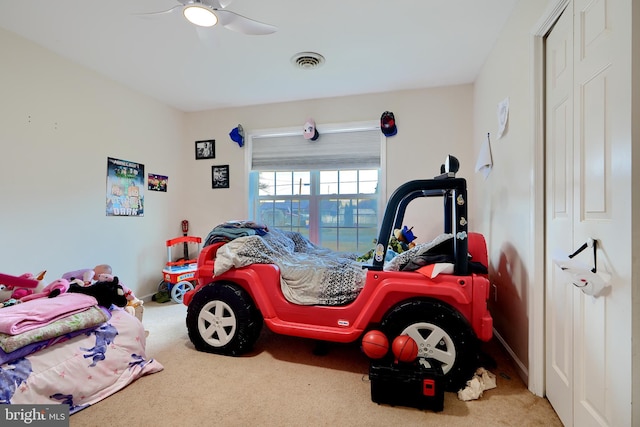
column 223, row 319
column 163, row 286
column 443, row 336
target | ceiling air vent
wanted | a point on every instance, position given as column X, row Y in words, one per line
column 307, row 60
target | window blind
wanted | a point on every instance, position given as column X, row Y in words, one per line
column 337, row 150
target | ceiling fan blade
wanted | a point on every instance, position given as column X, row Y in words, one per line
column 214, row 4
column 218, row 4
column 242, row 24
column 162, row 12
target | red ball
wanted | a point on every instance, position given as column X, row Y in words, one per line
column 375, row 344
column 404, row 348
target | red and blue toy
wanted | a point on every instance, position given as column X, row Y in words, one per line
column 178, row 277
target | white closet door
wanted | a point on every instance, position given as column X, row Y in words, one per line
column 559, row 296
column 588, row 191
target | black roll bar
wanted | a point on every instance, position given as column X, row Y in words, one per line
column 454, row 192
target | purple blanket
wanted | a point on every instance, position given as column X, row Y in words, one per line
column 37, row 346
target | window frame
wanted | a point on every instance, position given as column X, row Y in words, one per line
column 324, row 129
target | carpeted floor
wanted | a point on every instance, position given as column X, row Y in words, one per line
column 282, row 383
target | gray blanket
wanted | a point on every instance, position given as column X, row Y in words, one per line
column 309, row 274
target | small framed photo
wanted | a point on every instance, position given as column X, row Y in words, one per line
column 220, row 176
column 157, row 182
column 206, row 149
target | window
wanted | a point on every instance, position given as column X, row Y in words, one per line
column 329, row 190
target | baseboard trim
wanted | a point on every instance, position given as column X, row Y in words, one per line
column 522, row 370
column 147, row 298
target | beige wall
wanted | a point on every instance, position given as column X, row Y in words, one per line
column 504, row 209
column 58, row 125
column 431, row 124
column 507, row 209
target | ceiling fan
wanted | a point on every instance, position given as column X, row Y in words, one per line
column 207, row 13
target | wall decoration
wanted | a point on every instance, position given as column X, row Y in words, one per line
column 503, row 116
column 206, row 149
column 220, row 176
column 237, row 135
column 125, row 188
column 484, row 163
column 157, row 182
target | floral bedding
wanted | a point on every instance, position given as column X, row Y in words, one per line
column 91, row 317
column 81, row 370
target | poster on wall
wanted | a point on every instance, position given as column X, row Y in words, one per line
column 125, row 188
column 157, row 182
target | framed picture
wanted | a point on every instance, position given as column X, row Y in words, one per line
column 220, row 176
column 206, row 149
column 157, row 182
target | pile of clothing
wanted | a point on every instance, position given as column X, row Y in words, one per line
column 231, row 230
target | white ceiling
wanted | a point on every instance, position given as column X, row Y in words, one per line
column 370, row 46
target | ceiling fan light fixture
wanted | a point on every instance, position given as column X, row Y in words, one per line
column 200, row 15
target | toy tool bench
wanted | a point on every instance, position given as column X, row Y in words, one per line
column 178, row 276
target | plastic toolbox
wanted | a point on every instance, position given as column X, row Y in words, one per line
column 403, row 384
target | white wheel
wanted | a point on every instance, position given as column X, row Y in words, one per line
column 217, row 323
column 179, row 289
column 223, row 319
column 433, row 343
column 443, row 336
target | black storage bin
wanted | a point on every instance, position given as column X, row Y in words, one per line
column 401, row 384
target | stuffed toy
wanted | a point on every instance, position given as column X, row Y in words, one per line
column 16, row 287
column 53, row 289
column 88, row 275
column 105, row 292
column 405, row 237
column 132, row 301
column 402, row 240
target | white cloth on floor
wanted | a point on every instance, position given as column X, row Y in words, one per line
column 482, row 380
